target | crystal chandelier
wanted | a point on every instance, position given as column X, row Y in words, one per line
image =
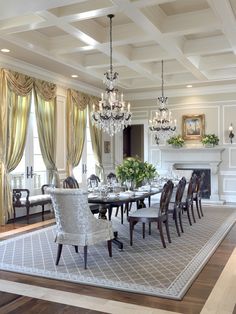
column 112, row 114
column 162, row 124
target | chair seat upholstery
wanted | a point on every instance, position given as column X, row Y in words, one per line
column 36, row 199
column 151, row 212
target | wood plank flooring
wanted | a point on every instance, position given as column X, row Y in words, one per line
column 192, row 302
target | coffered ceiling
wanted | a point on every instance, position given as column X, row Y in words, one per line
column 195, row 38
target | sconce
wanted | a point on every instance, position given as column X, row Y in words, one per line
column 231, row 134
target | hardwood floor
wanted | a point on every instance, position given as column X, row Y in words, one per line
column 192, row 302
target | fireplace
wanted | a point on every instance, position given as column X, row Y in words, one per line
column 206, row 192
column 198, row 159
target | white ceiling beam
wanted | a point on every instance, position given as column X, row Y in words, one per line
column 169, row 44
column 224, row 12
column 206, row 45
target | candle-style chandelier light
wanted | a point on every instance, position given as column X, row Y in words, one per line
column 162, row 124
column 112, row 114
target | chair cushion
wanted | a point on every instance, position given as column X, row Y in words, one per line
column 35, row 199
column 151, row 212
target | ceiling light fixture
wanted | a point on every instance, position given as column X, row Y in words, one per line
column 112, row 114
column 74, row 75
column 189, row 86
column 5, row 50
column 162, row 124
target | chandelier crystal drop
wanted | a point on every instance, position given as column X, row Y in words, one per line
column 162, row 124
column 111, row 115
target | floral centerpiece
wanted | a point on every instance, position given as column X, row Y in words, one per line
column 176, row 141
column 135, row 170
column 210, row 140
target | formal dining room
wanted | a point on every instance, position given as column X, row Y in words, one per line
column 118, row 156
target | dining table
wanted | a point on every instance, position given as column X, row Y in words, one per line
column 110, row 200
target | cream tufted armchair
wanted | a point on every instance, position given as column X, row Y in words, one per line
column 76, row 225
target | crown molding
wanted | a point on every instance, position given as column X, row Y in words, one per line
column 37, row 72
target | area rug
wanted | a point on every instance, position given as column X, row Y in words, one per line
column 145, row 268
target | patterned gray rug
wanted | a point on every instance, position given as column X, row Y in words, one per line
column 145, row 268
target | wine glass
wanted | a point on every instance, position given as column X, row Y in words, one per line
column 128, row 184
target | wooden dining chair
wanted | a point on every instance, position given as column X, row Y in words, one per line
column 157, row 214
column 197, row 196
column 187, row 204
column 175, row 207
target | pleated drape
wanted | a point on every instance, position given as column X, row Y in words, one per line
column 76, row 114
column 15, row 95
column 46, row 117
column 96, row 139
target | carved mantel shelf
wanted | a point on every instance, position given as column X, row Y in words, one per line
column 194, row 158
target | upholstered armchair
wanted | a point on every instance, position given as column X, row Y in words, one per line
column 76, row 225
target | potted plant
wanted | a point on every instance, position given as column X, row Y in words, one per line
column 134, row 170
column 210, row 140
column 176, row 141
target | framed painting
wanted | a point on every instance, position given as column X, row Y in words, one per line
column 193, row 127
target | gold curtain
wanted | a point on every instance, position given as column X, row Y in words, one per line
column 96, row 139
column 15, row 94
column 76, row 113
column 46, row 117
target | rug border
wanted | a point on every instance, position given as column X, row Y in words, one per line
column 198, row 262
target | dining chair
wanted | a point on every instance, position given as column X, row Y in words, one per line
column 72, row 183
column 93, row 181
column 187, row 204
column 197, row 196
column 76, row 225
column 175, row 205
column 157, row 214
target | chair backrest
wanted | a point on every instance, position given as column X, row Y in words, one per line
column 192, row 186
column 180, row 191
column 93, row 181
column 70, row 183
column 72, row 212
column 200, row 184
column 166, row 196
column 111, row 178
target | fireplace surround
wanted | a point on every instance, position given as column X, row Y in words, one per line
column 195, row 158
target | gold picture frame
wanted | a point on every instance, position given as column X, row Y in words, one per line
column 193, row 127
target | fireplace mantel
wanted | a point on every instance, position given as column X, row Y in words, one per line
column 194, row 158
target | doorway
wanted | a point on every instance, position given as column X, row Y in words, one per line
column 133, row 141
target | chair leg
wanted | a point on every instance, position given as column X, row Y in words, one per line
column 189, row 219
column 117, row 210
column 197, row 207
column 76, row 248
column 167, row 230
column 109, row 246
column 42, row 212
column 194, row 220
column 59, row 249
column 176, row 223
column 131, row 232
column 159, row 224
column 200, row 206
column 180, row 222
column 85, row 256
column 143, row 227
column 149, row 228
